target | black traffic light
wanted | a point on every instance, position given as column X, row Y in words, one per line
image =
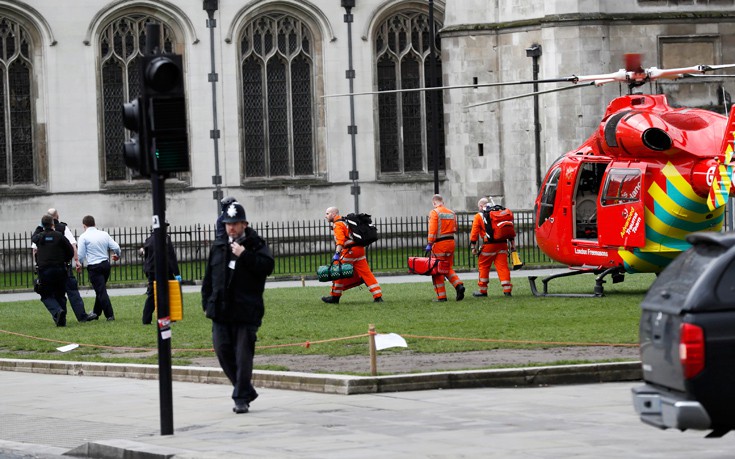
column 163, row 89
column 136, row 151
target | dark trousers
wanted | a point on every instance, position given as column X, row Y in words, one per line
column 235, row 349
column 52, row 288
column 75, row 299
column 150, row 301
column 98, row 275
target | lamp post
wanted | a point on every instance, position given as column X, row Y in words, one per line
column 211, row 6
column 433, row 95
column 352, row 128
column 534, row 52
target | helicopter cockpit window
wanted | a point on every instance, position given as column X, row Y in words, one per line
column 622, row 186
column 546, row 208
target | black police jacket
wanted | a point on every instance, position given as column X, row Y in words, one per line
column 52, row 248
column 149, row 252
column 235, row 296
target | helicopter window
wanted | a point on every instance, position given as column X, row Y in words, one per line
column 588, row 189
column 546, row 207
column 622, row 186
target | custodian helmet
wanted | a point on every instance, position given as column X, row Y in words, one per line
column 235, row 212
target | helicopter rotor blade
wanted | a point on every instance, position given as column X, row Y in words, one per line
column 528, row 94
column 695, row 75
column 461, row 86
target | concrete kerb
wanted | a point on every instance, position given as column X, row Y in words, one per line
column 349, row 385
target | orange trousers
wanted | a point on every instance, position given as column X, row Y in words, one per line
column 444, row 250
column 356, row 257
column 494, row 252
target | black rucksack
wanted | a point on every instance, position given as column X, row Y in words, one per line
column 361, row 227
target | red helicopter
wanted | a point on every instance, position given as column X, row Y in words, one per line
column 650, row 174
column 625, row 200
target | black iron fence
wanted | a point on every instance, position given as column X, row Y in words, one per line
column 299, row 248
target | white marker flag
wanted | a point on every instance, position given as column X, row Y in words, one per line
column 386, row 340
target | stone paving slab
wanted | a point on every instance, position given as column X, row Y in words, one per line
column 589, row 420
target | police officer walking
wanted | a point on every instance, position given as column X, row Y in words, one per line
column 53, row 252
column 71, row 285
column 232, row 297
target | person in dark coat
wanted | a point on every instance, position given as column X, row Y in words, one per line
column 149, row 268
column 53, row 252
column 72, row 286
column 232, row 297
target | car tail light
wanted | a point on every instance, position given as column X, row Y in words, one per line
column 691, row 349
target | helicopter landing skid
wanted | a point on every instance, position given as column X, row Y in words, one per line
column 617, row 276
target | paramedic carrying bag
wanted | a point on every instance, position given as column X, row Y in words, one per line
column 427, row 266
column 328, row 273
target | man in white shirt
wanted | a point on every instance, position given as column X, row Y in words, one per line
column 94, row 247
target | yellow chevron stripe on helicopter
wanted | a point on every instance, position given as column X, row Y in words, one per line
column 719, row 192
column 682, row 185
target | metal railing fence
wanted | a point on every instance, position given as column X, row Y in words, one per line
column 299, row 247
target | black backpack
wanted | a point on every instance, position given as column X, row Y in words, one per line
column 361, row 228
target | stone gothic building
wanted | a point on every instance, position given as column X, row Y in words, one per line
column 264, row 122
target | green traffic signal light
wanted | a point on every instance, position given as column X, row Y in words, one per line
column 163, row 80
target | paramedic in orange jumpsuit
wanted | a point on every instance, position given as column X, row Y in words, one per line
column 352, row 254
column 442, row 228
column 491, row 252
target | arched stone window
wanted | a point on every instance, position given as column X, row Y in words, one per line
column 402, row 47
column 122, row 42
column 277, row 77
column 18, row 152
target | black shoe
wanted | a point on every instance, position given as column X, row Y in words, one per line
column 507, row 294
column 90, row 317
column 439, row 300
column 241, row 407
column 378, row 300
column 146, row 323
column 460, row 292
column 60, row 318
column 111, row 318
column 331, row 299
column 479, row 294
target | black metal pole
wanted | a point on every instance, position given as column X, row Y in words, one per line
column 352, row 128
column 161, row 271
column 433, row 96
column 210, row 6
column 535, row 52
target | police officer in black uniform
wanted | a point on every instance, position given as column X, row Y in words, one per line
column 53, row 252
column 232, row 297
column 71, row 285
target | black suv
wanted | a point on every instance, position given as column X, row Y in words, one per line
column 687, row 340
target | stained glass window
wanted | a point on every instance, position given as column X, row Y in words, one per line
column 278, row 97
column 17, row 159
column 405, row 120
column 122, row 42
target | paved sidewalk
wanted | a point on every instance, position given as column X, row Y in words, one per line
column 48, row 415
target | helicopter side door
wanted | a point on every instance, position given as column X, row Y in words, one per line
column 621, row 207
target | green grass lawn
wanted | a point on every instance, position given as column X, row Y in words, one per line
column 296, row 315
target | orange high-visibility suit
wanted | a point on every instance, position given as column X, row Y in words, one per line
column 491, row 252
column 354, row 255
column 442, row 227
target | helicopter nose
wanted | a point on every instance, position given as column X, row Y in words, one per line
column 656, row 139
